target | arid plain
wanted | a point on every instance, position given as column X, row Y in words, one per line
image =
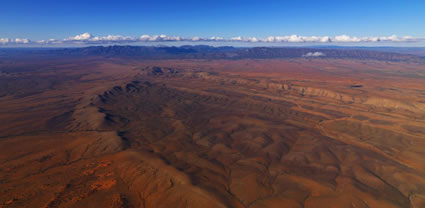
column 296, row 132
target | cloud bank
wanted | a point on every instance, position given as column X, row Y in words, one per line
column 87, row 38
column 314, row 54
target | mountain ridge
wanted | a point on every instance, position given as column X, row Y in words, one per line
column 223, row 52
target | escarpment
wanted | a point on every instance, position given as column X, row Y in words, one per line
column 289, row 87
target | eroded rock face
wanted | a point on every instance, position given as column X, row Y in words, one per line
column 186, row 134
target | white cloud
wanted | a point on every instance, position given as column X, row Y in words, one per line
column 345, row 38
column 314, row 54
column 216, row 38
column 245, row 39
column 196, row 38
column 168, row 38
column 23, row 40
column 84, row 36
column 252, row 39
column 392, row 38
column 4, row 40
column 144, row 37
column 297, row 39
column 111, row 38
column 237, row 38
column 325, row 39
column 87, row 38
column 159, row 38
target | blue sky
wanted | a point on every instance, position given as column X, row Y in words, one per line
column 42, row 20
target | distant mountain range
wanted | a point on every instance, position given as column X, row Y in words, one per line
column 418, row 51
column 209, row 52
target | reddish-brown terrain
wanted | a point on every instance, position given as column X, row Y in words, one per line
column 123, row 132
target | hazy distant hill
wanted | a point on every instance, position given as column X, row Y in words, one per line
column 208, row 52
column 418, row 51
